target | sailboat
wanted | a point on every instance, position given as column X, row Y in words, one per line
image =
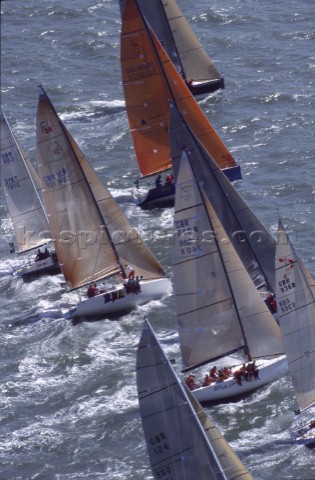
column 93, row 238
column 220, row 312
column 182, row 46
column 181, row 439
column 22, row 190
column 296, row 305
column 148, row 90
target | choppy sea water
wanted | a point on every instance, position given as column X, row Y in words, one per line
column 68, row 398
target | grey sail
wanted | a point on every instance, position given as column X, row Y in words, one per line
column 182, row 441
column 219, row 310
column 254, row 244
column 21, row 187
column 296, row 306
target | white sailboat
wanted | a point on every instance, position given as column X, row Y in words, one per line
column 296, row 305
column 182, row 46
column 22, row 190
column 220, row 312
column 181, row 439
column 93, row 238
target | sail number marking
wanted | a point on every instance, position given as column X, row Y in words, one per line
column 285, row 285
column 164, row 473
column 56, row 179
column 159, row 443
column 188, row 237
column 286, row 305
column 7, row 158
column 12, row 182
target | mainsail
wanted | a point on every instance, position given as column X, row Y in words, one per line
column 92, row 236
column 219, row 310
column 181, row 44
column 21, row 187
column 296, row 306
column 150, row 81
column 180, row 437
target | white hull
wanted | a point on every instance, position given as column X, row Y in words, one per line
column 47, row 265
column 303, row 430
column 118, row 300
column 269, row 370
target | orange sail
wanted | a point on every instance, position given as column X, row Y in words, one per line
column 150, row 82
column 146, row 94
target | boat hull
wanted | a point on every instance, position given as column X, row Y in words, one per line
column 42, row 267
column 303, row 429
column 209, row 86
column 117, row 300
column 164, row 196
column 269, row 370
column 158, row 197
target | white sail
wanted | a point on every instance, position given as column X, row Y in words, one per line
column 218, row 307
column 178, row 39
column 93, row 238
column 182, row 441
column 296, row 313
column 20, row 183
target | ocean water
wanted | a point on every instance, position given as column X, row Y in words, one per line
column 68, row 397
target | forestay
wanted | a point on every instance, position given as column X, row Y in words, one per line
column 21, row 187
column 182, row 442
column 296, row 305
column 219, row 310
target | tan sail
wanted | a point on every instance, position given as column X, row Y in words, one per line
column 296, row 305
column 220, row 311
column 178, row 39
column 196, row 63
column 21, row 185
column 131, row 249
column 94, row 240
column 82, row 244
column 230, row 464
